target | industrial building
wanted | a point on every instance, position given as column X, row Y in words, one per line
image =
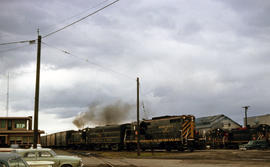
column 17, row 130
column 256, row 120
column 205, row 124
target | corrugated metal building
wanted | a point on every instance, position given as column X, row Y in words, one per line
column 205, row 124
column 260, row 119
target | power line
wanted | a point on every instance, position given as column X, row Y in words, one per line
column 16, row 42
column 79, row 19
column 145, row 93
column 33, row 41
column 11, row 49
column 146, row 112
column 90, row 62
column 61, row 50
column 62, row 21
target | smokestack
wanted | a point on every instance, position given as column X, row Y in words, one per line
column 246, row 108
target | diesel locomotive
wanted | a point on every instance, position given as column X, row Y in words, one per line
column 219, row 138
column 167, row 132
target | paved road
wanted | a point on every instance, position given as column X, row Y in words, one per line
column 205, row 158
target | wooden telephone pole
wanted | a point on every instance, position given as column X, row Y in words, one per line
column 37, row 93
column 7, row 107
column 138, row 118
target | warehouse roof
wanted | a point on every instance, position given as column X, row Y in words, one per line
column 5, row 118
column 258, row 116
column 205, row 122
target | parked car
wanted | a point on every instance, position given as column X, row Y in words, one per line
column 46, row 154
column 40, row 163
column 6, row 149
column 8, row 159
column 14, row 146
column 254, row 144
column 38, row 146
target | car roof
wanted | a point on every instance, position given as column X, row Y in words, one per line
column 8, row 155
column 32, row 150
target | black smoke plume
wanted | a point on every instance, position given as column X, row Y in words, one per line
column 98, row 114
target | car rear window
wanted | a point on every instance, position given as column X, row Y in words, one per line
column 29, row 155
column 44, row 154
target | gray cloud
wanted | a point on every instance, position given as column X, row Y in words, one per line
column 201, row 58
column 252, row 17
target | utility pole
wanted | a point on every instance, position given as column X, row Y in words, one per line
column 246, row 108
column 37, row 93
column 138, row 118
column 7, row 107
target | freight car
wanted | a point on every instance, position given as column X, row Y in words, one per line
column 48, row 140
column 167, row 132
column 62, row 138
column 51, row 140
column 43, row 141
column 59, row 139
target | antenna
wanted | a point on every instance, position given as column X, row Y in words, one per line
column 7, row 93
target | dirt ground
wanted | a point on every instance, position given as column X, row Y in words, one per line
column 200, row 158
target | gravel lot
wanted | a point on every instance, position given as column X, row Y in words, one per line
column 201, row 158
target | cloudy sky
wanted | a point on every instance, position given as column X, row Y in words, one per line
column 192, row 57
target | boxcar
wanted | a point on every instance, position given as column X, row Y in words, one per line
column 43, row 141
column 63, row 138
column 51, row 140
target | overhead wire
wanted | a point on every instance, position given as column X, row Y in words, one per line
column 64, row 20
column 51, row 33
column 90, row 62
column 17, row 42
column 146, row 113
column 11, row 49
column 146, row 92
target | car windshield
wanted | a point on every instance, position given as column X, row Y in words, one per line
column 16, row 163
column 52, row 152
column 261, row 142
column 251, row 142
column 2, row 164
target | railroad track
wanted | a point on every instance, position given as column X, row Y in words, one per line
column 103, row 161
column 106, row 161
